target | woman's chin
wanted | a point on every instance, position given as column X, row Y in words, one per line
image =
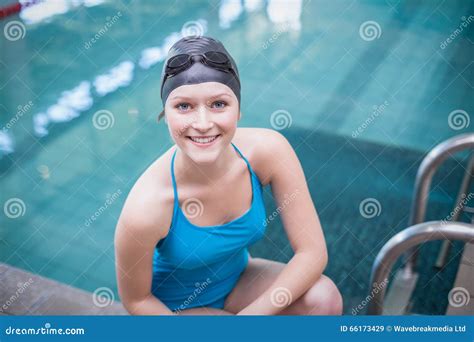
column 203, row 156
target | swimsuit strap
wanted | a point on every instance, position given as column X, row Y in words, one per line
column 173, row 179
column 245, row 159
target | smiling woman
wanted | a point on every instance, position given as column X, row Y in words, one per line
column 202, row 117
column 183, row 235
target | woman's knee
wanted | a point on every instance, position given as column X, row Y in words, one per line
column 323, row 298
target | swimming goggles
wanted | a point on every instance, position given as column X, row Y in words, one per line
column 214, row 59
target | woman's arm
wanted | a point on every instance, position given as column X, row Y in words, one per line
column 133, row 264
column 138, row 230
column 300, row 220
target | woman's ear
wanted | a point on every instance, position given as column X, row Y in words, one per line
column 240, row 115
column 161, row 116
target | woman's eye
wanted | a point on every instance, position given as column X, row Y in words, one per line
column 183, row 106
column 219, row 104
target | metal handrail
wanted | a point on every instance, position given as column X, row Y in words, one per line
column 459, row 207
column 403, row 241
column 424, row 176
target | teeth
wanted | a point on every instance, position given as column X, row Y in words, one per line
column 203, row 140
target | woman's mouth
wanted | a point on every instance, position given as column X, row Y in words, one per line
column 204, row 141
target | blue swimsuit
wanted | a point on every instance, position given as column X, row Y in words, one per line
column 196, row 266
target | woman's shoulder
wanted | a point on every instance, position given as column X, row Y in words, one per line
column 148, row 208
column 261, row 147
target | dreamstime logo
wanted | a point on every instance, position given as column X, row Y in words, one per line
column 183, row 129
column 465, row 199
column 284, row 28
column 377, row 111
column 102, row 297
column 458, row 297
column 464, row 24
column 14, row 208
column 193, row 207
column 376, row 288
column 108, row 202
column 200, row 287
column 192, row 29
column 288, row 199
column 370, row 207
column 21, row 110
column 281, row 297
column 281, row 119
column 21, row 287
column 109, row 22
column 370, row 30
column 14, row 30
column 46, row 330
column 103, row 119
column 458, row 119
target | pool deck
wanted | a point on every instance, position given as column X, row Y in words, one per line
column 464, row 280
column 24, row 293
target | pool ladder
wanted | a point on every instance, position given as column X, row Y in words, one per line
column 408, row 241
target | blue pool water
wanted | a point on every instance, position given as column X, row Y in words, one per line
column 362, row 90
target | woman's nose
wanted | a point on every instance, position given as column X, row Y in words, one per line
column 203, row 120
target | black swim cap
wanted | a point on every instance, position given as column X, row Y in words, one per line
column 198, row 72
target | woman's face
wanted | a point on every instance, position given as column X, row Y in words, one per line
column 202, row 119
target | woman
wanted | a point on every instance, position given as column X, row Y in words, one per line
column 182, row 237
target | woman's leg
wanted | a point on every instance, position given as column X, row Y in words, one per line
column 323, row 298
